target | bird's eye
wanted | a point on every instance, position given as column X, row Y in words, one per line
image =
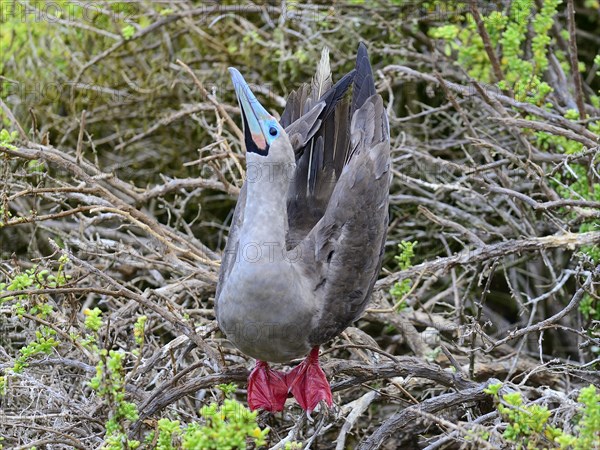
column 273, row 131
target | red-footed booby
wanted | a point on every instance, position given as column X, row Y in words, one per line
column 307, row 237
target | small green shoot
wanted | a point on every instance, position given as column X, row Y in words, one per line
column 401, row 288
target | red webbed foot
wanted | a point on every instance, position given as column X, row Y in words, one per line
column 267, row 388
column 308, row 382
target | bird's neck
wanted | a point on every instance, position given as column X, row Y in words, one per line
column 265, row 224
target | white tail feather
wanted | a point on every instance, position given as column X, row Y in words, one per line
column 322, row 79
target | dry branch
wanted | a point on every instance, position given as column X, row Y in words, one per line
column 569, row 241
column 406, row 425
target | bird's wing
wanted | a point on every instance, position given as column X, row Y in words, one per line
column 316, row 120
column 230, row 251
column 304, row 117
column 342, row 253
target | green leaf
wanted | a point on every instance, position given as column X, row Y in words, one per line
column 128, row 31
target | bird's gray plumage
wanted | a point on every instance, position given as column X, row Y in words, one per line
column 335, row 222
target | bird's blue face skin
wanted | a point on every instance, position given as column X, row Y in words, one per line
column 260, row 128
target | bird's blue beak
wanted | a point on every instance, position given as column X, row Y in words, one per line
column 256, row 118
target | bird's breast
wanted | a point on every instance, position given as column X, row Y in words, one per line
column 266, row 313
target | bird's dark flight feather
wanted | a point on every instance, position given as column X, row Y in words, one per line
column 339, row 214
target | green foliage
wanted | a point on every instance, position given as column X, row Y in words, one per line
column 17, row 29
column 128, row 31
column 5, row 215
column 168, row 430
column 7, row 138
column 35, row 166
column 93, row 321
column 493, row 389
column 542, row 24
column 227, row 389
column 43, row 344
column 404, row 259
column 446, row 32
column 508, row 34
column 138, row 330
column 528, row 424
column 407, row 252
column 34, row 279
column 227, row 426
column 35, row 305
column 589, row 307
column 109, row 384
column 588, row 425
